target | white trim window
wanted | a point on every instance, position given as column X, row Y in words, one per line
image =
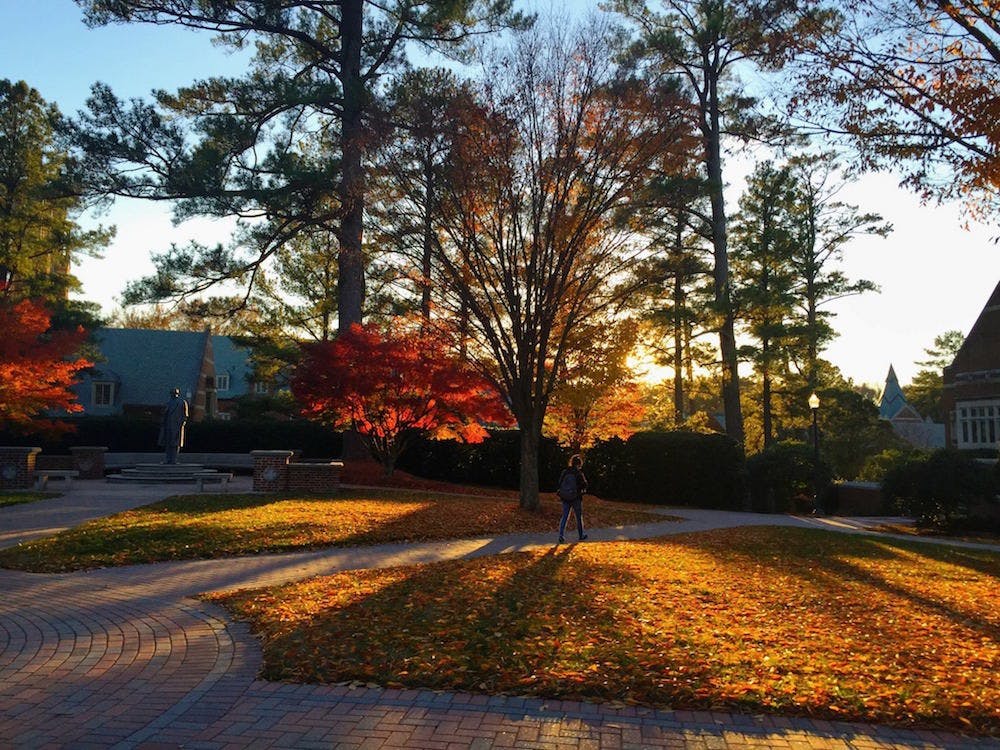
column 222, row 382
column 103, row 394
column 260, row 388
column 977, row 423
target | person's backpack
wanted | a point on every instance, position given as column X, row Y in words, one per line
column 567, row 491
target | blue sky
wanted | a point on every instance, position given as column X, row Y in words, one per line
column 935, row 275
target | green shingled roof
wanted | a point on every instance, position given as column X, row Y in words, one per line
column 146, row 365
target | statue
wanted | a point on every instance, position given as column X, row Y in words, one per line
column 175, row 415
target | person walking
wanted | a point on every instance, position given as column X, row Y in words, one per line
column 572, row 485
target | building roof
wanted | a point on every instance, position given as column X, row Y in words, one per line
column 147, row 364
column 892, row 400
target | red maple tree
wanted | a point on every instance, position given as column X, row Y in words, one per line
column 37, row 366
column 391, row 387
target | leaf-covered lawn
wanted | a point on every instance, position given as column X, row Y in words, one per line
column 755, row 619
column 207, row 526
column 16, row 498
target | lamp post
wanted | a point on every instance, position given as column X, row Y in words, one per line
column 814, row 406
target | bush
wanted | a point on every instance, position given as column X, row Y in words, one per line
column 946, row 490
column 876, row 467
column 495, row 462
column 679, row 468
column 784, row 478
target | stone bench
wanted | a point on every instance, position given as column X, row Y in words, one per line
column 43, row 476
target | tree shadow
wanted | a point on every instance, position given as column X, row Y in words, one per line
column 533, row 623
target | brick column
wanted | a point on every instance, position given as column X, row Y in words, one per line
column 17, row 467
column 89, row 461
column 270, row 470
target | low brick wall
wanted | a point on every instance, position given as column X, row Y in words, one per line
column 273, row 471
column 88, row 460
column 17, row 467
column 314, row 477
column 859, row 499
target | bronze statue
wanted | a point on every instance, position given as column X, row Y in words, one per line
column 175, row 415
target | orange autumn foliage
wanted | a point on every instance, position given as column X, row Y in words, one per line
column 37, row 366
column 391, row 386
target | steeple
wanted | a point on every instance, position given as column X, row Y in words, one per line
column 892, row 399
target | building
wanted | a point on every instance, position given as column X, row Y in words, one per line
column 905, row 420
column 137, row 368
column 233, row 374
column 972, row 384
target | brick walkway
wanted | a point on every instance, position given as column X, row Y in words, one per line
column 126, row 658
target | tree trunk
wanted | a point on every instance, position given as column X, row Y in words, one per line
column 679, row 411
column 531, row 440
column 723, row 300
column 766, row 416
column 428, row 238
column 351, row 191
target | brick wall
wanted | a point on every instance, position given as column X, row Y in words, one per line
column 17, row 467
column 314, row 477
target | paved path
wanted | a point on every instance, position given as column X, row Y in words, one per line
column 126, row 658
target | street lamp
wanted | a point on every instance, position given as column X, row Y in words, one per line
column 814, row 406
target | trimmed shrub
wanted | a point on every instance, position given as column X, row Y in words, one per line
column 681, row 468
column 784, row 478
column 946, row 490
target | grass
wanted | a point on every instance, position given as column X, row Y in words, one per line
column 756, row 619
column 209, row 526
column 17, row 498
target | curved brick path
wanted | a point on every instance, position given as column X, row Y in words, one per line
column 126, row 658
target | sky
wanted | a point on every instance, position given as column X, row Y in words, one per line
column 935, row 273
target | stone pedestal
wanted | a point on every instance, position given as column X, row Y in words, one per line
column 17, row 467
column 270, row 470
column 89, row 461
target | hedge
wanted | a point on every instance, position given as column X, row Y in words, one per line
column 784, row 478
column 131, row 434
column 675, row 468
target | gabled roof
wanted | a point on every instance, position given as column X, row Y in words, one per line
column 892, row 400
column 147, row 364
column 979, row 350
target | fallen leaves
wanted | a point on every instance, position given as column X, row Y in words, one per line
column 757, row 619
column 209, row 526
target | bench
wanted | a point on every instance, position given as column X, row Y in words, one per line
column 42, row 477
column 213, row 476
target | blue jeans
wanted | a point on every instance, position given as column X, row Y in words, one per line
column 577, row 507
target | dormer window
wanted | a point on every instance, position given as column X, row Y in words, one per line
column 103, row 394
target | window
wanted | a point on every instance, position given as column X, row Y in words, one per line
column 977, row 424
column 260, row 389
column 104, row 394
column 222, row 382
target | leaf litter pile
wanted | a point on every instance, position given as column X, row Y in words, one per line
column 209, row 526
column 755, row 619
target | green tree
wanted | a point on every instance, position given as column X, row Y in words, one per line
column 824, row 227
column 288, row 142
column 925, row 390
column 706, row 42
column 763, row 236
column 39, row 204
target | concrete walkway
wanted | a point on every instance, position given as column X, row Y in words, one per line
column 126, row 658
